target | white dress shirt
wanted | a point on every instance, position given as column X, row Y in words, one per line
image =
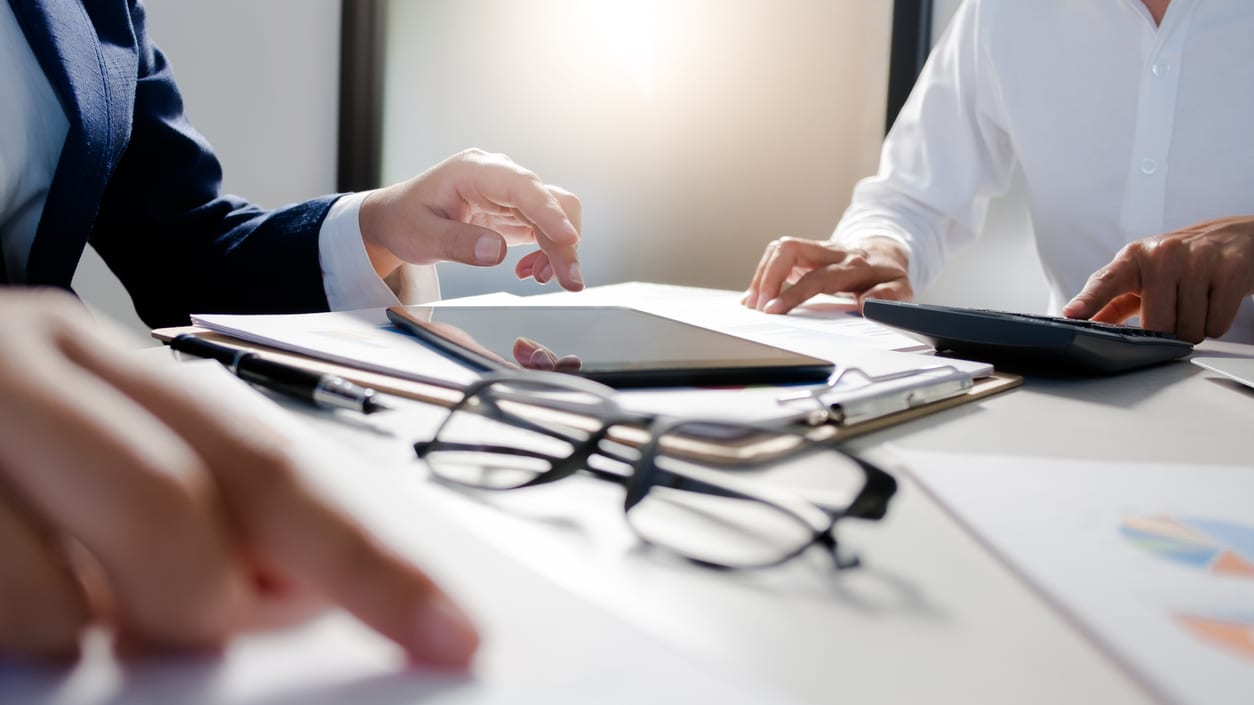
column 1123, row 130
column 33, row 128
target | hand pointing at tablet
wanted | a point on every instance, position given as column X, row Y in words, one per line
column 468, row 209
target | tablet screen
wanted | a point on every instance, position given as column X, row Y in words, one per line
column 617, row 346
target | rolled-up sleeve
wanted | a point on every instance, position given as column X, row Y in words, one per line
column 946, row 156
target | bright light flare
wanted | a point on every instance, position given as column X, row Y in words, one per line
column 629, row 31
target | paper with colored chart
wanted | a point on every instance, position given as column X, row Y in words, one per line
column 1154, row 560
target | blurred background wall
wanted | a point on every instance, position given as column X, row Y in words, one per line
column 694, row 131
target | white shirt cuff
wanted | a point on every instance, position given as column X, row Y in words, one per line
column 348, row 277
column 855, row 236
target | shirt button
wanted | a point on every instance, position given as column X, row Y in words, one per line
column 1148, row 166
column 1161, row 69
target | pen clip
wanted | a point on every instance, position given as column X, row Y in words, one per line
column 828, row 411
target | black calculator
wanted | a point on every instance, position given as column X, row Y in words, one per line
column 1029, row 342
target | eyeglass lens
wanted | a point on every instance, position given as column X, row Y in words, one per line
column 735, row 513
column 508, row 434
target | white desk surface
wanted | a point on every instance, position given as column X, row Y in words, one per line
column 932, row 616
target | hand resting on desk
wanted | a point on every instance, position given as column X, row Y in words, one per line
column 793, row 270
column 128, row 502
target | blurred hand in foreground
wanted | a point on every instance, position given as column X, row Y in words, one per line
column 126, row 501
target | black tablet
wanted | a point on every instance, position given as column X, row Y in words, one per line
column 621, row 347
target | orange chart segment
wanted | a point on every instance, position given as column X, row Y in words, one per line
column 1233, row 633
column 1230, row 563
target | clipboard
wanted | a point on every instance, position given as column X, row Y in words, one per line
column 850, row 426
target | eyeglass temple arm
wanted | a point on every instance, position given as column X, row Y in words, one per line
column 872, row 500
column 425, row 448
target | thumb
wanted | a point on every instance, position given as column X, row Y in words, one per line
column 1122, row 276
column 452, row 241
column 893, row 291
column 470, row 244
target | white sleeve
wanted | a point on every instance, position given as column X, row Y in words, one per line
column 945, row 157
column 347, row 275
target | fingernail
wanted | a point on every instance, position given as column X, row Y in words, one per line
column 773, row 306
column 488, row 250
column 575, row 275
column 1072, row 306
column 542, row 360
column 444, row 636
column 545, row 273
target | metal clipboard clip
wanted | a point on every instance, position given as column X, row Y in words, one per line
column 852, row 395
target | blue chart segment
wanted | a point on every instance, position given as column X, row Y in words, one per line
column 1217, row 547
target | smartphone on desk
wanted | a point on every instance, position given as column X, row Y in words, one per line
column 617, row 346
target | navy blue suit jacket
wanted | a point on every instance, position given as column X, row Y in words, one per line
column 142, row 186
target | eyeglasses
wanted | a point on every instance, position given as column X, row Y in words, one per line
column 694, row 487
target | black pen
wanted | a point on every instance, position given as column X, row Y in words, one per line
column 326, row 391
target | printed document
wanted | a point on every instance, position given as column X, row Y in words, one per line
column 1154, row 560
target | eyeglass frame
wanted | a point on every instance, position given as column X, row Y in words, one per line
column 871, row 501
